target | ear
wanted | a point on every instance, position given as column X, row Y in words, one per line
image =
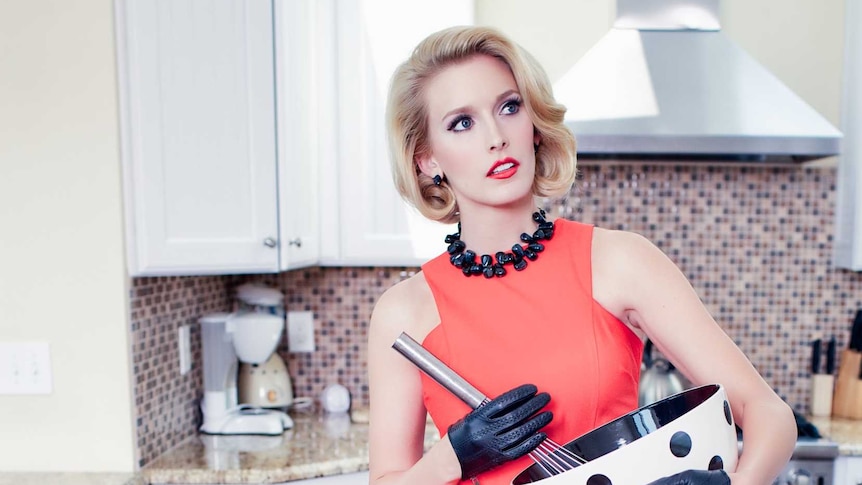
column 537, row 137
column 428, row 165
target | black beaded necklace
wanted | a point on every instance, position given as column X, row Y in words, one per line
column 465, row 259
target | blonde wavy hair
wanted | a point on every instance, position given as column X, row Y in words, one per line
column 406, row 117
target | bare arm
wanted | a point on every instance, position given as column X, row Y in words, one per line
column 636, row 282
column 397, row 413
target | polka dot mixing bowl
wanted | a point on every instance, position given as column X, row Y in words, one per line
column 690, row 430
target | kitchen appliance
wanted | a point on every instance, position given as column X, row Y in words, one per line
column 812, row 463
column 665, row 82
column 229, row 339
column 659, row 378
column 691, row 430
column 266, row 384
column 254, row 298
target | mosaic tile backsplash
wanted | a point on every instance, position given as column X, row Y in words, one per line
column 755, row 241
column 167, row 403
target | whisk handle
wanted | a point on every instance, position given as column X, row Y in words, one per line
column 437, row 370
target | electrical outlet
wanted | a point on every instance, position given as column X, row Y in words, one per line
column 25, row 368
column 184, row 343
column 300, row 331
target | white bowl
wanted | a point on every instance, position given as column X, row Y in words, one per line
column 692, row 430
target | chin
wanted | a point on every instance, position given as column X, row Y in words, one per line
column 512, row 197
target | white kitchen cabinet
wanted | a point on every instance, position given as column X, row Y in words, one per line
column 364, row 220
column 848, row 220
column 254, row 137
column 216, row 157
column 305, row 87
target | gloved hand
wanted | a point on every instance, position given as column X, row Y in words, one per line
column 503, row 429
column 695, row 477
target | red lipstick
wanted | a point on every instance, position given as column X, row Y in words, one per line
column 503, row 169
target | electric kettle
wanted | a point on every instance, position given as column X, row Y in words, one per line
column 659, row 378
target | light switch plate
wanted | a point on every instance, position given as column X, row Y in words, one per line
column 300, row 331
column 25, row 368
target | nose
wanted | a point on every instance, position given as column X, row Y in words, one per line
column 496, row 137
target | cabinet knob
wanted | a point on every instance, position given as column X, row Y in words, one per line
column 270, row 242
column 295, row 242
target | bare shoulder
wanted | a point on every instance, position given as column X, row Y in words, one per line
column 408, row 306
column 621, row 250
column 617, row 240
column 624, row 264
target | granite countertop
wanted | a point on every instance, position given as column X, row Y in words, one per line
column 318, row 445
column 322, row 445
column 71, row 478
column 846, row 432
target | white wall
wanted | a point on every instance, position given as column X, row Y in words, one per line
column 62, row 276
column 800, row 41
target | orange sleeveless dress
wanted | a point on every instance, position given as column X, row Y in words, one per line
column 538, row 326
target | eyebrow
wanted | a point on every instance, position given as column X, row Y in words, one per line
column 463, row 109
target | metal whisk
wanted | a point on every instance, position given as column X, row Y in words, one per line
column 552, row 457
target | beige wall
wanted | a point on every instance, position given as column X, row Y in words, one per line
column 62, row 276
column 800, row 41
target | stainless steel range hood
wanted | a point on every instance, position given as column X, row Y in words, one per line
column 665, row 82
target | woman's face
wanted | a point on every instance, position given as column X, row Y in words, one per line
column 480, row 137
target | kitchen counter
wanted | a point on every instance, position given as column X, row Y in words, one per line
column 846, row 432
column 71, row 478
column 318, row 445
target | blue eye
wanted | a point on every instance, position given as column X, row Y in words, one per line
column 461, row 123
column 512, row 106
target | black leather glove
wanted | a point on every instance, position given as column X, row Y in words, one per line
column 695, row 477
column 503, row 429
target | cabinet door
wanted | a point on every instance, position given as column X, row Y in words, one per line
column 198, row 123
column 305, row 100
column 848, row 217
column 376, row 227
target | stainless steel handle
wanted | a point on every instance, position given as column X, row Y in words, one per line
column 270, row 242
column 295, row 242
column 437, row 370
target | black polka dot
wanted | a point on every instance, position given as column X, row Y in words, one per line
column 727, row 415
column 716, row 463
column 599, row 479
column 680, row 444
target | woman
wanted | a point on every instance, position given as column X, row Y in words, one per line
column 563, row 309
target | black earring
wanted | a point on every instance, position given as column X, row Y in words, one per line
column 437, row 180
